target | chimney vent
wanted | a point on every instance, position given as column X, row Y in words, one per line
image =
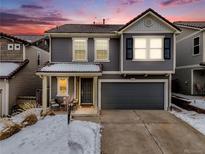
column 103, row 21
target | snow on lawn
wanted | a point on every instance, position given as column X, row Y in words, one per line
column 21, row 116
column 52, row 135
column 194, row 119
column 197, row 101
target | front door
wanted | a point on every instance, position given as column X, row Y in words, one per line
column 86, row 91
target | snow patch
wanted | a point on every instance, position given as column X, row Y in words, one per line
column 194, row 119
column 7, row 68
column 52, row 135
column 197, row 101
column 66, row 67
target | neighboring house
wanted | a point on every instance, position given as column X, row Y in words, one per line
column 113, row 66
column 36, row 40
column 19, row 61
column 190, row 60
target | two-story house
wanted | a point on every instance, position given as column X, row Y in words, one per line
column 19, row 61
column 190, row 60
column 113, row 66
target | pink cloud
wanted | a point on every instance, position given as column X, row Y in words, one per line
column 177, row 2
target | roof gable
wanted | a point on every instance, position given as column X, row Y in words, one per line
column 158, row 23
column 13, row 38
column 191, row 24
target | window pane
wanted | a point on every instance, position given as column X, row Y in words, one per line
column 155, row 54
column 140, row 43
column 80, row 49
column 101, row 47
column 80, row 55
column 62, row 86
column 196, row 50
column 140, row 53
column 102, row 54
column 101, row 44
column 156, row 43
column 196, row 41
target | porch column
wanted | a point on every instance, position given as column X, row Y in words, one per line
column 44, row 93
column 95, row 91
column 74, row 90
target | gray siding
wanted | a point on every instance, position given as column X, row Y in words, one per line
column 157, row 26
column 129, row 65
column 182, row 81
column 62, row 52
column 5, row 54
column 25, row 82
column 184, row 50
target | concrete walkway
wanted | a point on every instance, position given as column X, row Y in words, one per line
column 148, row 132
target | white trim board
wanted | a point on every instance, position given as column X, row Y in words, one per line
column 188, row 66
column 111, row 72
column 147, row 72
column 203, row 46
column 165, row 81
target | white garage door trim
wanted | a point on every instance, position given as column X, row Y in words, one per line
column 165, row 81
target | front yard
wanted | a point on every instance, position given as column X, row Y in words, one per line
column 194, row 119
column 52, row 135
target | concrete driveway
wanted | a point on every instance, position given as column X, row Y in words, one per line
column 148, row 132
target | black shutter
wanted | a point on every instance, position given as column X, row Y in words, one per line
column 167, row 48
column 129, row 48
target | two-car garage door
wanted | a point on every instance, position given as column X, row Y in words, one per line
column 132, row 95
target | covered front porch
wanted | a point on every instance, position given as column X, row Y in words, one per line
column 78, row 81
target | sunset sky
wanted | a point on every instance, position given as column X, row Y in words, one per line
column 36, row 16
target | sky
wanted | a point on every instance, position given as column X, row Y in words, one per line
column 28, row 17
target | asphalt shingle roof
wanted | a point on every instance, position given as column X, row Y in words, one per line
column 85, row 28
column 194, row 24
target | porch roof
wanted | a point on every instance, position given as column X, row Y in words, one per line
column 70, row 68
column 10, row 68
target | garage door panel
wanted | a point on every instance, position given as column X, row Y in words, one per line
column 132, row 95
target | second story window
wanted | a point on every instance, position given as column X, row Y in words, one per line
column 17, row 46
column 148, row 48
column 196, row 46
column 101, row 49
column 10, row 47
column 79, row 49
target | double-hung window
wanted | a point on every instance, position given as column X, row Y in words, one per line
column 62, row 83
column 148, row 48
column 196, row 46
column 101, row 49
column 79, row 49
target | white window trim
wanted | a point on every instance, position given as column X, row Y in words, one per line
column 108, row 50
column 86, row 50
column 10, row 49
column 15, row 47
column 196, row 45
column 147, row 48
column 58, row 87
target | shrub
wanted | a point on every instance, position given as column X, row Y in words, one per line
column 29, row 120
column 10, row 130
